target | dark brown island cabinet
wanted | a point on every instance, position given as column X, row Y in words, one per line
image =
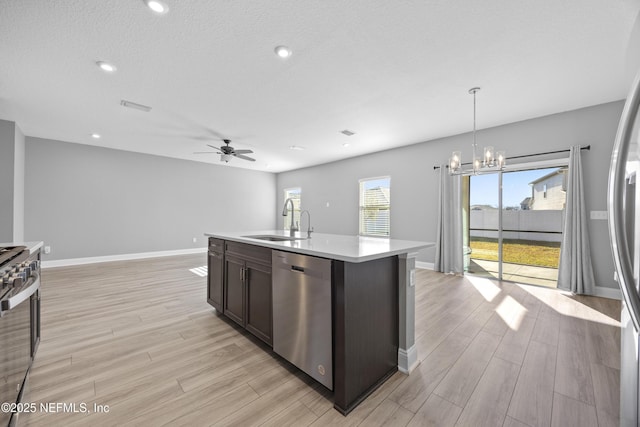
column 364, row 304
column 247, row 288
column 215, row 279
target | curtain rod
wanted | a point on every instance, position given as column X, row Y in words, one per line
column 584, row 147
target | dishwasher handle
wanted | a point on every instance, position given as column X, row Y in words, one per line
column 296, row 268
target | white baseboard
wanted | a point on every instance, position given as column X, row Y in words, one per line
column 123, row 257
column 613, row 293
column 425, row 265
column 407, row 359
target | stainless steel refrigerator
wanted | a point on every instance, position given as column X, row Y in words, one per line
column 623, row 205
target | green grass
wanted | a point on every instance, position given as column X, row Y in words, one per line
column 527, row 252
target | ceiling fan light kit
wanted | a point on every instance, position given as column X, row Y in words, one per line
column 491, row 160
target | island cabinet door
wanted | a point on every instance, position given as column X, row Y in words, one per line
column 215, row 266
column 234, row 289
column 258, row 305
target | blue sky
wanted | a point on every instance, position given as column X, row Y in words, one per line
column 515, row 187
column 382, row 182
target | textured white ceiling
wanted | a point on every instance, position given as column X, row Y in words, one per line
column 394, row 72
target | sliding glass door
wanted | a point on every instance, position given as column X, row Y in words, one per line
column 514, row 224
column 482, row 251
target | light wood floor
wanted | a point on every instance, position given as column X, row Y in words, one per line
column 139, row 337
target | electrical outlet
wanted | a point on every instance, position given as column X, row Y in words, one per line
column 47, row 249
column 327, row 204
column 601, row 215
column 195, row 240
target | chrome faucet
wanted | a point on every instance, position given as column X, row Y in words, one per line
column 309, row 228
column 292, row 228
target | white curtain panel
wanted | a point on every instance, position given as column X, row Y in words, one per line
column 449, row 240
column 575, row 273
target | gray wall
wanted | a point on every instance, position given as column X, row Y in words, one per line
column 12, row 158
column 414, row 192
column 18, row 185
column 7, row 150
column 86, row 201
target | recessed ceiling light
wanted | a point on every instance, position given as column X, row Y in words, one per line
column 347, row 132
column 296, row 147
column 95, row 135
column 157, row 6
column 283, row 52
column 346, row 144
column 106, row 66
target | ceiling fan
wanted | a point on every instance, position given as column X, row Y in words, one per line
column 227, row 152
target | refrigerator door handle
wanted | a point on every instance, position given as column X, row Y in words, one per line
column 616, row 188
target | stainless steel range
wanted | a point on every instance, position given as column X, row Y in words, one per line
column 19, row 323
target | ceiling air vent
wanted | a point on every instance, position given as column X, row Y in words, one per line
column 347, row 132
column 135, row 106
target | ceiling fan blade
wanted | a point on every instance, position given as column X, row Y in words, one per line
column 243, row 151
column 240, row 156
column 215, row 148
column 215, row 134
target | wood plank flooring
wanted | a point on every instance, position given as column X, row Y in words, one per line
column 139, row 338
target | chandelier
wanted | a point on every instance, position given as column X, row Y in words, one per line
column 490, row 161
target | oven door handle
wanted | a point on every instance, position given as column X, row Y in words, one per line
column 15, row 300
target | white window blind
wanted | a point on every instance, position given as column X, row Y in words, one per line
column 294, row 194
column 375, row 207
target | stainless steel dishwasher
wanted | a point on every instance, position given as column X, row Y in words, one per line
column 302, row 313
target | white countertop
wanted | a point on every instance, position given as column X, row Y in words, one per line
column 32, row 246
column 332, row 246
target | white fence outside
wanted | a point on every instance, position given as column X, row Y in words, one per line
column 544, row 226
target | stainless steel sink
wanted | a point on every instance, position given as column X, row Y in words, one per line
column 274, row 238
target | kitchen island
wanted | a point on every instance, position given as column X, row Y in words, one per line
column 372, row 300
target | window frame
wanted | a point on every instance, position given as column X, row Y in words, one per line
column 362, row 208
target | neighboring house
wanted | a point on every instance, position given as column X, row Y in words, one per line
column 525, row 205
column 549, row 191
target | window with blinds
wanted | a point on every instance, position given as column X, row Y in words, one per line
column 295, row 195
column 375, row 207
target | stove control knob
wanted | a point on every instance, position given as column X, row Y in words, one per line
column 12, row 280
column 25, row 272
column 34, row 265
column 18, row 281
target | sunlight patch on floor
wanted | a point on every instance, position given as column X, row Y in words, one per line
column 564, row 303
column 199, row 271
column 511, row 312
column 488, row 289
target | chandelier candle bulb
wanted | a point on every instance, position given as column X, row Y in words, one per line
column 501, row 158
column 488, row 156
column 454, row 161
column 476, row 164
